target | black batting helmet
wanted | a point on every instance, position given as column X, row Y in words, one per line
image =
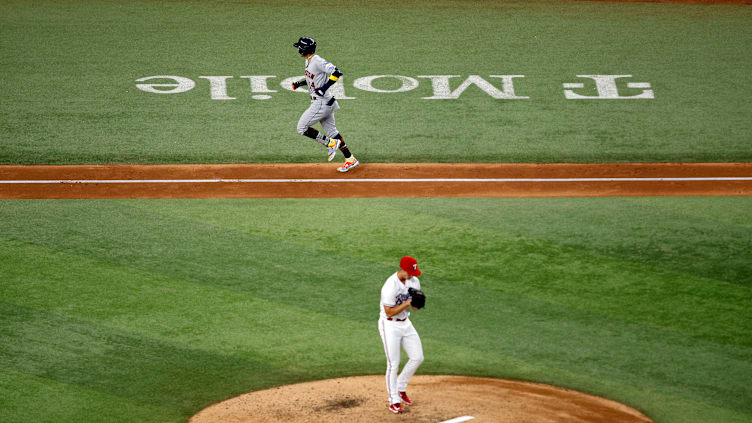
column 305, row 45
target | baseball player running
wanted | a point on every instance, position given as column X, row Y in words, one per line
column 319, row 76
column 396, row 330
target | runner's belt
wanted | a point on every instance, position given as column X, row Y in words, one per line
column 399, row 320
column 313, row 97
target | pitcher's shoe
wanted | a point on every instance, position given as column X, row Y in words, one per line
column 405, row 398
column 332, row 148
column 349, row 164
column 396, row 408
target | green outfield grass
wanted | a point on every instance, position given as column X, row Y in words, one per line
column 150, row 310
column 69, row 69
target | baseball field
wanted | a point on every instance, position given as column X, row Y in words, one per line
column 151, row 304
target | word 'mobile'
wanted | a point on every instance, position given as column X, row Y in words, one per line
column 605, row 86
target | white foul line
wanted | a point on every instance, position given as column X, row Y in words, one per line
column 459, row 419
column 246, row 181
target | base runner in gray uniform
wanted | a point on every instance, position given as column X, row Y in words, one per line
column 319, row 76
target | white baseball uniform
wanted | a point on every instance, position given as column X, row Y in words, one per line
column 396, row 332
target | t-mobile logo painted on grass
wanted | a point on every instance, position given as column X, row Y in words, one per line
column 605, row 86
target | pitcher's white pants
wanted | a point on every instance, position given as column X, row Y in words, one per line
column 394, row 335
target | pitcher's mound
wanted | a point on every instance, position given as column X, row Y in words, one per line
column 435, row 399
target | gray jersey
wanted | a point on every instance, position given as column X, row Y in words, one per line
column 317, row 72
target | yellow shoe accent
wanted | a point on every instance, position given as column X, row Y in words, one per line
column 332, row 148
column 349, row 164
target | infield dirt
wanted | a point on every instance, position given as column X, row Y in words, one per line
column 371, row 180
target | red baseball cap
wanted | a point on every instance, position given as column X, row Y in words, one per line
column 410, row 265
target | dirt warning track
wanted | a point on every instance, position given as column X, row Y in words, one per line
column 373, row 180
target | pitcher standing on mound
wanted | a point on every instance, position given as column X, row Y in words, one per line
column 319, row 76
column 397, row 331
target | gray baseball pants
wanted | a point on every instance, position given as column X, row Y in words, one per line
column 319, row 111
